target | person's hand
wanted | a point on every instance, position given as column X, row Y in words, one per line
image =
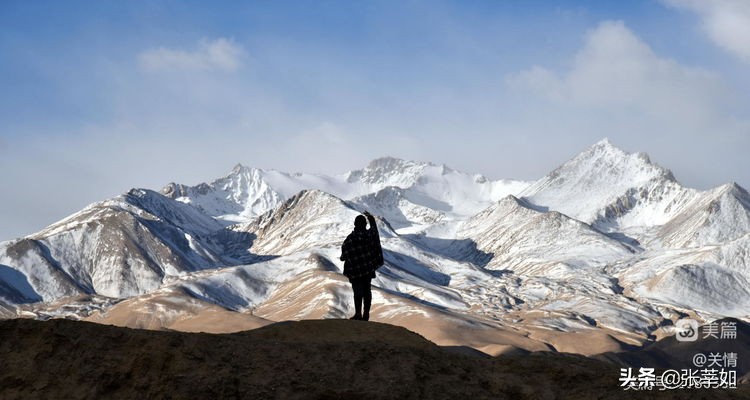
column 367, row 214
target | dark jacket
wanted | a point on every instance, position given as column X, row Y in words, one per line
column 361, row 252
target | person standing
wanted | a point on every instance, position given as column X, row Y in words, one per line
column 362, row 254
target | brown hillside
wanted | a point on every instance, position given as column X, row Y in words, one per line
column 312, row 359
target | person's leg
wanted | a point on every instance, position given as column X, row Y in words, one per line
column 358, row 295
column 367, row 295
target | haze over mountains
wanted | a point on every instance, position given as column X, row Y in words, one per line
column 609, row 245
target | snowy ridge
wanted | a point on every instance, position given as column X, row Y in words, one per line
column 249, row 192
column 519, row 237
column 601, row 176
column 399, row 207
column 714, row 217
column 607, row 242
column 120, row 247
column 438, row 187
column 307, row 220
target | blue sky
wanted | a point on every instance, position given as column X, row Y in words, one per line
column 101, row 96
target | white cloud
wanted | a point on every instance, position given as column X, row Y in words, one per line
column 727, row 23
column 56, row 176
column 617, row 86
column 328, row 146
column 219, row 54
column 616, row 71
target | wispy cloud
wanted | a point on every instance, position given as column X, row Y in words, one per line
column 618, row 86
column 219, row 54
column 727, row 23
column 615, row 69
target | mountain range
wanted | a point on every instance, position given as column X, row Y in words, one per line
column 609, row 247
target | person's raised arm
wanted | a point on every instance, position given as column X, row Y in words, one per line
column 370, row 220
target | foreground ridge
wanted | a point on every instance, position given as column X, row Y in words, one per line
column 310, row 359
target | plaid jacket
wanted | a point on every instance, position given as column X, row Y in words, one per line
column 361, row 253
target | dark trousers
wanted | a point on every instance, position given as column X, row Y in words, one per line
column 361, row 288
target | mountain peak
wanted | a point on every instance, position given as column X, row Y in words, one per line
column 392, row 164
column 593, row 179
column 735, row 190
column 390, row 171
column 605, row 142
column 238, row 168
column 385, row 159
column 604, row 146
column 605, row 158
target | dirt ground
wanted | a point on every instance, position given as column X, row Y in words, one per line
column 313, row 359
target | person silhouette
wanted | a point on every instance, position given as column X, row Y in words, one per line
column 362, row 254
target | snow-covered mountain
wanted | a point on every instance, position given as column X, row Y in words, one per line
column 118, row 248
column 308, row 220
column 609, row 244
column 610, row 188
column 249, row 192
column 518, row 236
column 713, row 217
